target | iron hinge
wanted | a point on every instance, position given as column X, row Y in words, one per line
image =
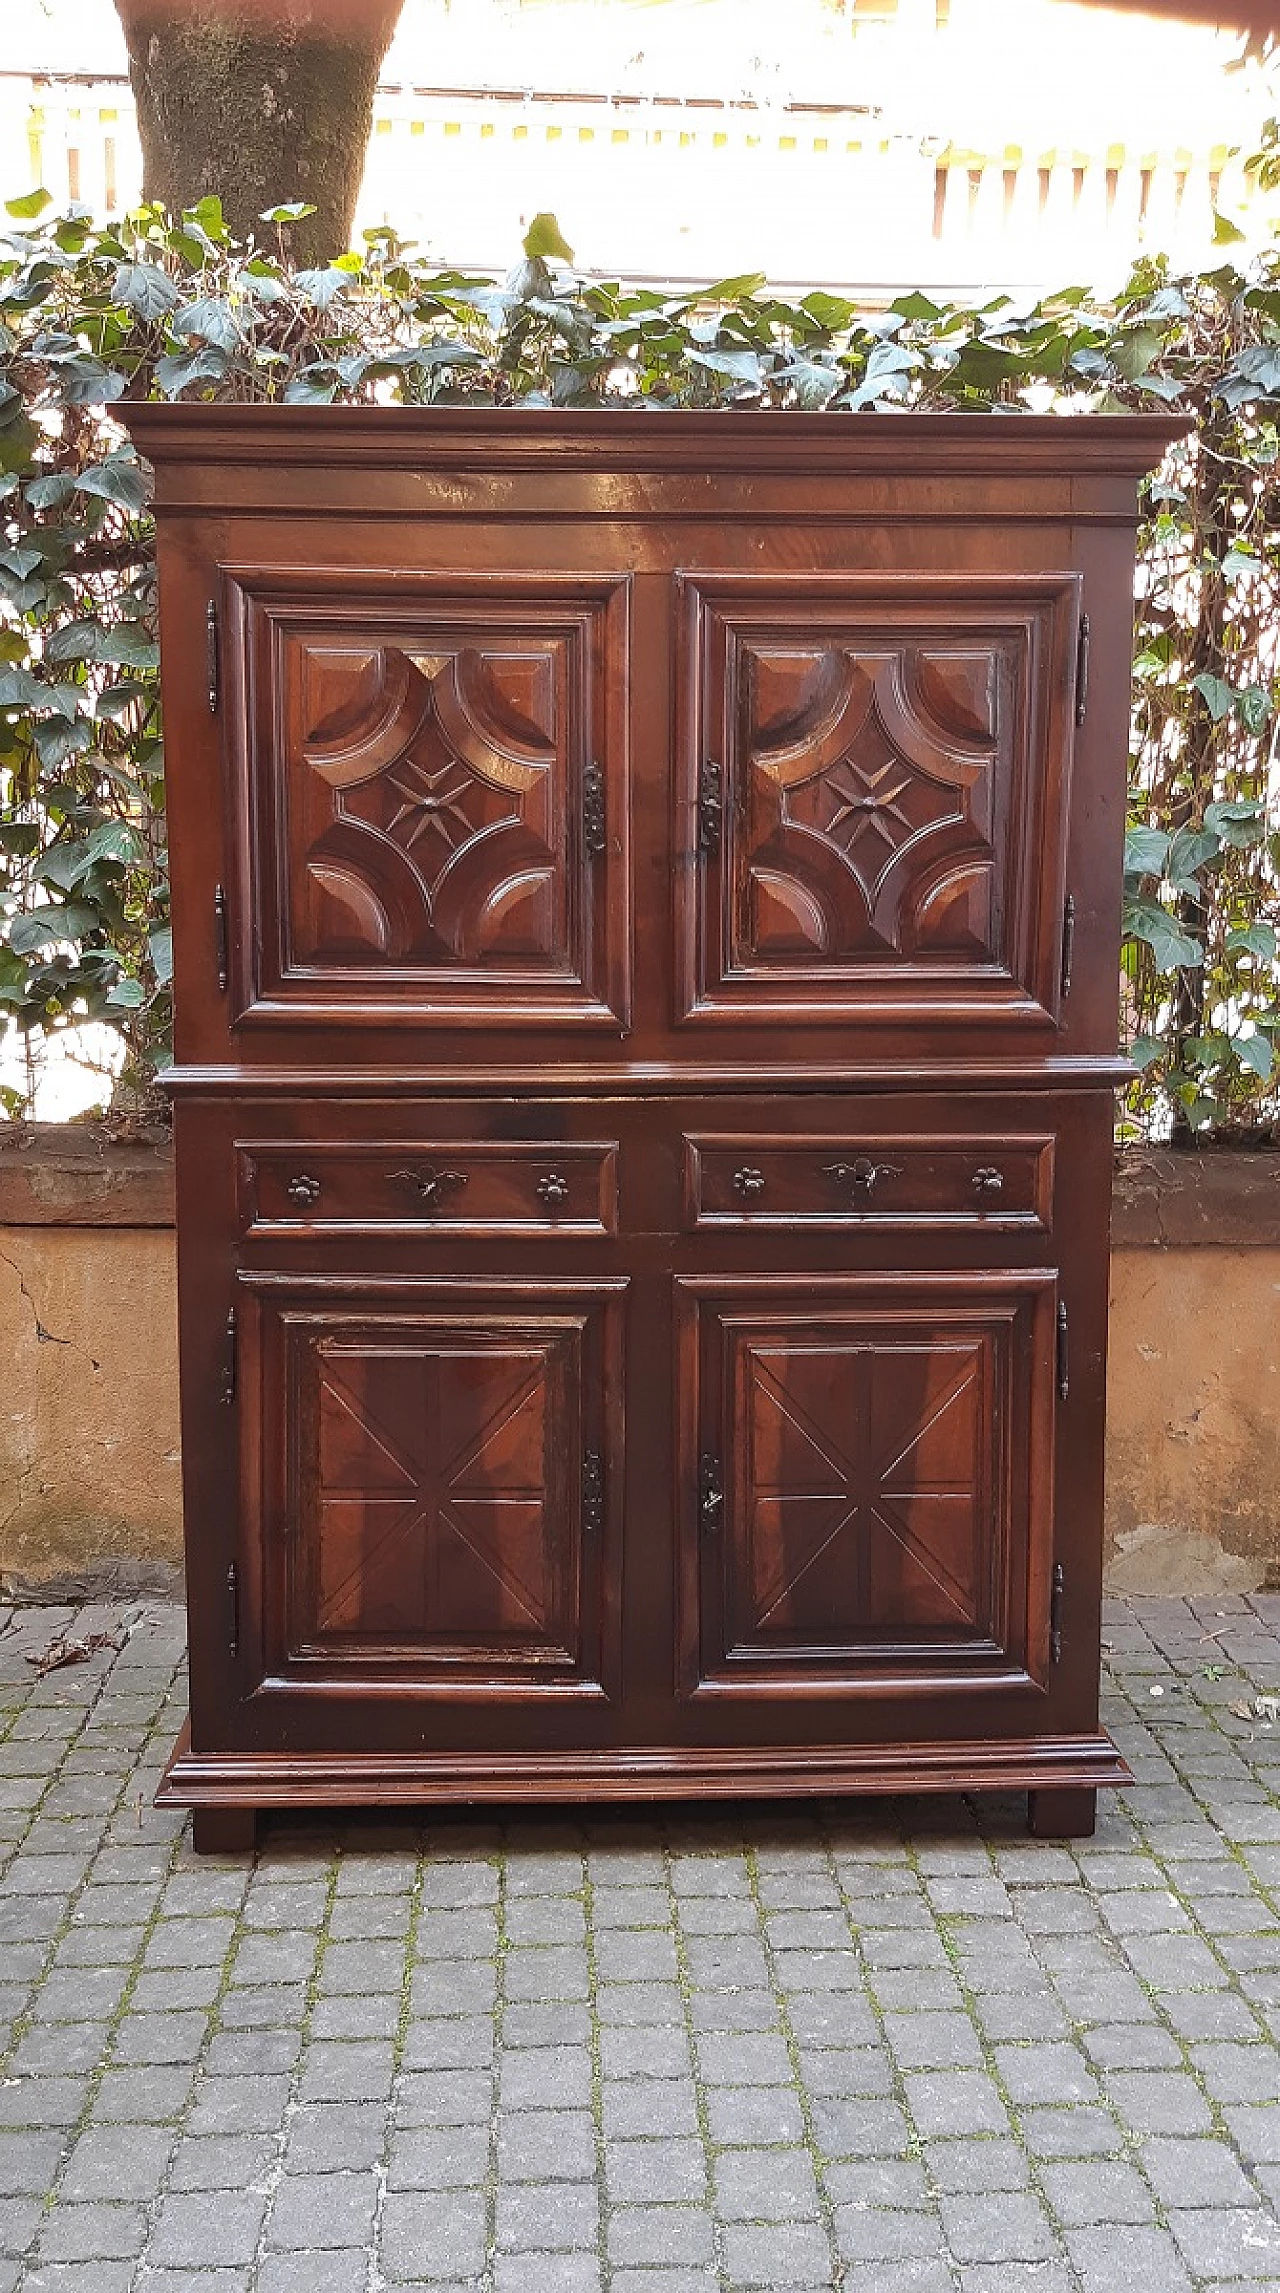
column 220, row 936
column 592, row 1493
column 233, row 1610
column 229, row 1360
column 710, row 807
column 710, row 1496
column 1082, row 669
column 1055, row 1614
column 1064, row 1378
column 1068, row 942
column 594, row 834
column 211, row 652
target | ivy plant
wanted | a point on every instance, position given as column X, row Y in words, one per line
column 157, row 305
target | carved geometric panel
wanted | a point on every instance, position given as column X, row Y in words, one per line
column 438, row 1503
column 865, row 1503
column 425, row 814
column 882, row 1451
column 870, row 782
column 890, row 754
column 434, row 799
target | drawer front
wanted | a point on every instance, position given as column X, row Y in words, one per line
column 885, row 1181
column 460, row 1187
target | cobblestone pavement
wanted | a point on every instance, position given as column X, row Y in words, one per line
column 864, row 2046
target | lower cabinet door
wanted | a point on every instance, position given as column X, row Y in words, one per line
column 431, row 1482
column 867, row 1480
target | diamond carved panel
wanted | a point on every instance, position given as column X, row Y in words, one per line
column 891, row 754
column 865, row 1490
column 433, row 800
column 435, row 1497
column 881, row 1453
column 442, row 842
column 870, row 802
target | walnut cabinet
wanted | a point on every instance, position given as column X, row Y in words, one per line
column 646, row 896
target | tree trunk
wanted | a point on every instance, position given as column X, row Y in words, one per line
column 260, row 102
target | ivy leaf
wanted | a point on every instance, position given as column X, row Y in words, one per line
column 126, row 995
column 57, row 739
column 209, row 319
column 318, row 386
column 1215, row 693
column 160, row 942
column 1188, row 852
column 84, row 381
column 51, row 491
column 146, row 290
column 43, row 927
column 739, row 290
column 1253, row 707
column 114, row 841
column 129, row 647
column 815, row 386
column 736, row 365
column 1253, row 939
column 1255, row 1051
column 321, row 286
column 1145, row 1050
column 177, row 372
column 292, row 211
column 121, row 479
column 545, row 238
column 1239, row 824
column 31, row 204
column 1225, row 232
column 1172, row 948
column 1145, row 851
column 74, row 641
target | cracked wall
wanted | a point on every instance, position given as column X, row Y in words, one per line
column 89, row 1458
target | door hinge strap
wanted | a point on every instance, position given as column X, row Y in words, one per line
column 1055, row 1614
column 710, row 807
column 710, row 1496
column 229, row 1360
column 220, row 936
column 594, row 835
column 1068, row 941
column 211, row 652
column 592, row 1493
column 233, row 1610
column 1064, row 1377
column 1082, row 669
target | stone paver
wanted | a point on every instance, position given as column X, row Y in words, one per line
column 845, row 2047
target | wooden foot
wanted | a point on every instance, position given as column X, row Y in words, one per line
column 223, row 1830
column 1064, row 1812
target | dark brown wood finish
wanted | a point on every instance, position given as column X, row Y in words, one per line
column 646, row 909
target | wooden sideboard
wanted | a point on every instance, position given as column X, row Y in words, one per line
column 646, row 897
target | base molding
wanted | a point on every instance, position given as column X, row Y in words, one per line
column 295, row 1779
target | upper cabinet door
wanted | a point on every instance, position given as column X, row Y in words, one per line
column 431, row 799
column 874, row 777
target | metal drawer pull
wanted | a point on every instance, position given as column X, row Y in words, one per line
column 864, row 1175
column 428, row 1183
column 303, row 1190
column 553, row 1189
column 748, row 1181
column 989, row 1180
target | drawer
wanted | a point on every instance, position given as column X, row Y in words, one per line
column 886, row 1181
column 459, row 1186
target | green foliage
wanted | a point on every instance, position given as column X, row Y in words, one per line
column 91, row 316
